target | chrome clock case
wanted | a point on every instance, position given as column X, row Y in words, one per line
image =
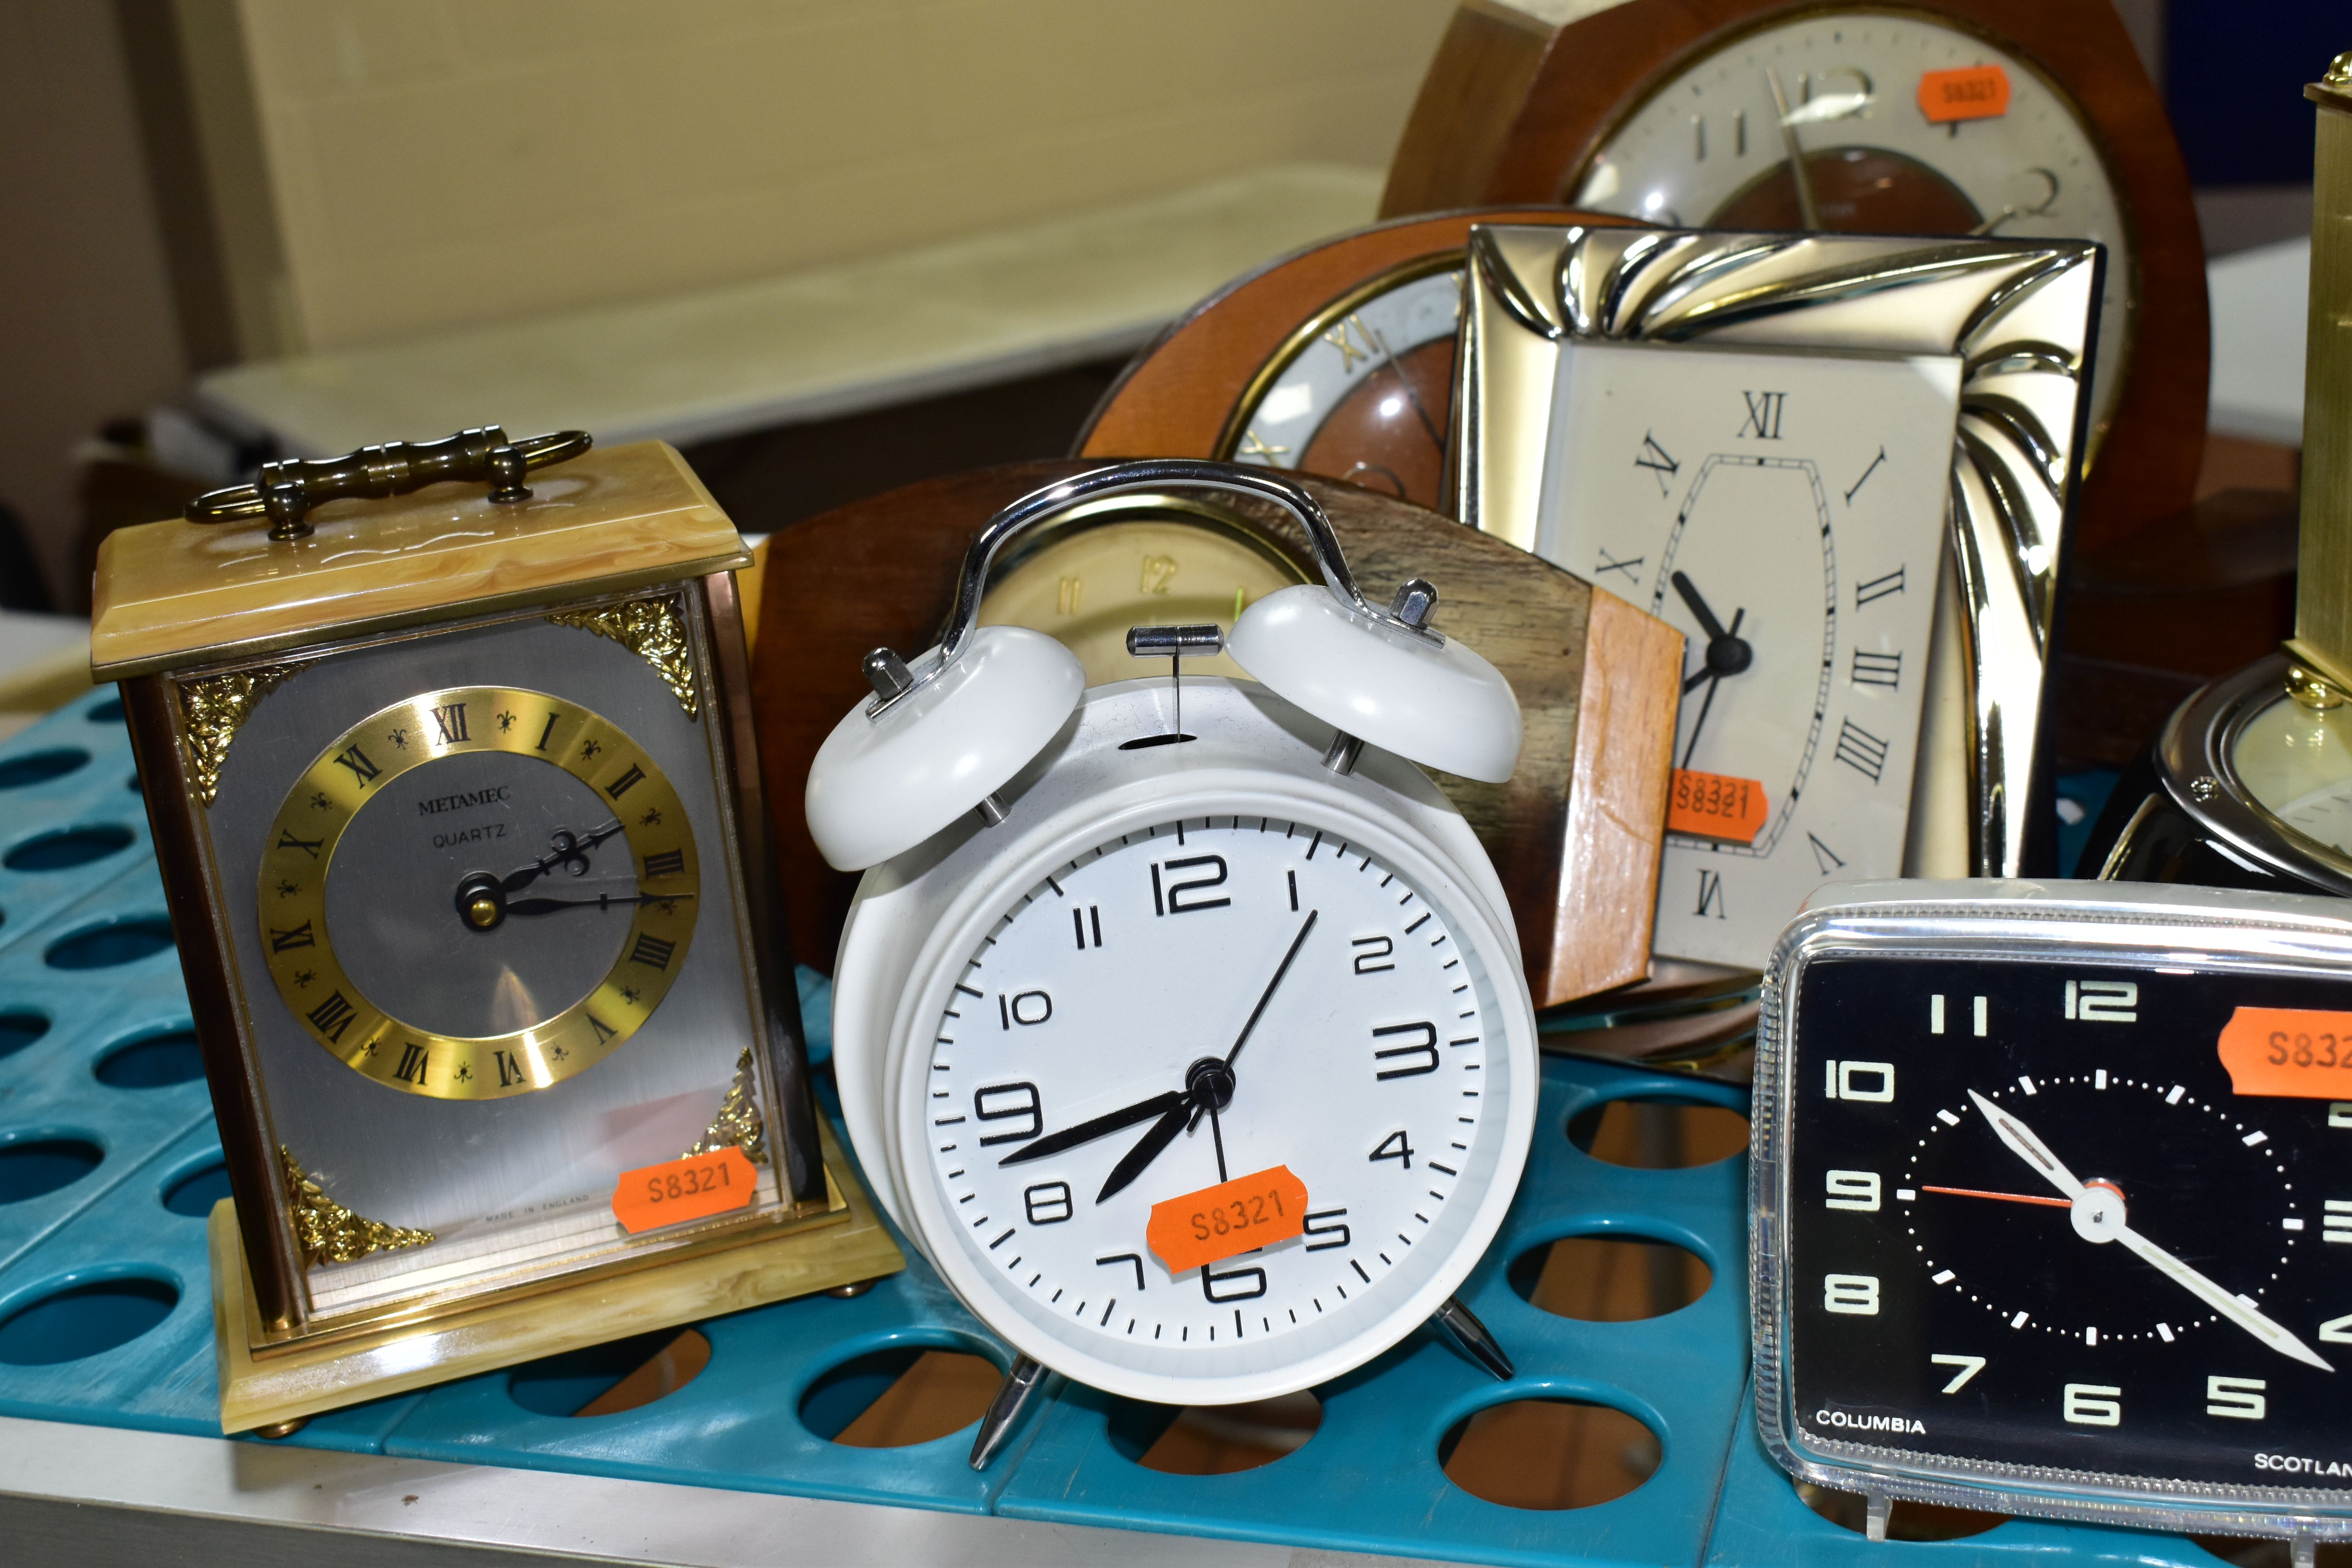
column 2245, row 948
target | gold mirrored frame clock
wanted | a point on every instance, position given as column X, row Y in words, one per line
column 461, row 825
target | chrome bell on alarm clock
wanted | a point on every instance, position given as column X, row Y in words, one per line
column 2250, row 783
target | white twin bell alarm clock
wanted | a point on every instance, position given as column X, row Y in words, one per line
column 1181, row 1023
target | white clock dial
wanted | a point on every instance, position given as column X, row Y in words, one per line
column 1367, row 1052
column 1706, row 149
column 1364, row 391
column 1786, row 513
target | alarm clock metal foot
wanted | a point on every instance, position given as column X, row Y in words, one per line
column 1021, row 1386
column 1463, row 1327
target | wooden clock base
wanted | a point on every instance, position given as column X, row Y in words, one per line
column 276, row 1387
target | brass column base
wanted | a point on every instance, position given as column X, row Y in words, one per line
column 275, row 1384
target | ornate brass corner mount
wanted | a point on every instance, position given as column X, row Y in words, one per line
column 738, row 1123
column 327, row 1232
column 650, row 628
column 213, row 709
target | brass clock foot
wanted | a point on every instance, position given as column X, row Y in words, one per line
column 854, row 1289
column 278, row 1429
column 1021, row 1386
column 1470, row 1336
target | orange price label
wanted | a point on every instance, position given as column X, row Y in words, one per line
column 677, row 1191
column 2289, row 1051
column 1217, row 1222
column 1972, row 92
column 1715, row 805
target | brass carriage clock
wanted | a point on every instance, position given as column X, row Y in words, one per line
column 460, row 823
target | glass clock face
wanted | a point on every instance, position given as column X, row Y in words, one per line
column 1163, row 564
column 2297, row 764
column 1292, row 980
column 1706, row 148
column 1784, row 512
column 478, row 892
column 499, row 854
column 2030, row 1223
column 1364, row 393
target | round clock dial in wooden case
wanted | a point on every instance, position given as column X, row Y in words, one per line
column 1577, row 831
column 2003, row 117
column 1337, row 361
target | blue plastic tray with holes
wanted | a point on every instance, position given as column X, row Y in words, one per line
column 109, row 1162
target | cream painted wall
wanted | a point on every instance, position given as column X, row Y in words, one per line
column 440, row 163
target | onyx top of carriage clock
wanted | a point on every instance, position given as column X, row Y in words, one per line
column 460, row 826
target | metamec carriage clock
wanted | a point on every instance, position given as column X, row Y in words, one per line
column 2249, row 783
column 460, row 825
column 1181, row 1023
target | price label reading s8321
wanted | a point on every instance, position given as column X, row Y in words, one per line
column 1716, row 805
column 677, row 1191
column 1972, row 92
column 2295, row 1052
column 1216, row 1223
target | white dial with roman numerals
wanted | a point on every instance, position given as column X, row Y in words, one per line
column 1206, row 961
column 1786, row 512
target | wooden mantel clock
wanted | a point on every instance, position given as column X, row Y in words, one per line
column 2018, row 118
column 1337, row 361
column 460, row 823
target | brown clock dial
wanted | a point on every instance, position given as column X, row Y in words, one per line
column 1337, row 361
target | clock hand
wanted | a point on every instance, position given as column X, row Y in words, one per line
column 601, row 901
column 1101, row 1126
column 1267, row 996
column 1208, row 1088
column 1131, row 1164
column 2099, row 1217
column 1807, row 210
column 1714, row 676
column 1728, row 653
column 1689, row 594
column 2021, row 1142
column 567, row 849
column 2005, row 1198
column 2238, row 1312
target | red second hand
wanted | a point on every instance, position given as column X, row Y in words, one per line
column 2005, row 1198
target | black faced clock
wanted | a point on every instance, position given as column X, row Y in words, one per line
column 2053, row 1203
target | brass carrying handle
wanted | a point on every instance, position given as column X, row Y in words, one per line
column 285, row 491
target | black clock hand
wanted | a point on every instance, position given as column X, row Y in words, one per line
column 1101, row 1126
column 1267, row 996
column 1728, row 653
column 601, row 901
column 1130, row 1166
column 1711, row 674
column 1208, row 1088
column 567, row 848
column 1689, row 595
